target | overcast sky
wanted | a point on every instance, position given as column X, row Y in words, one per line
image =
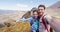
column 24, row 4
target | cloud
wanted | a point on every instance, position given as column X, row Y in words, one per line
column 16, row 7
column 22, row 7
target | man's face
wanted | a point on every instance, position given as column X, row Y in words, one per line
column 41, row 10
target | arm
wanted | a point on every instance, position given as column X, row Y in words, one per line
column 55, row 24
column 28, row 19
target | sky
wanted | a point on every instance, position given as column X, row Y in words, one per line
column 24, row 4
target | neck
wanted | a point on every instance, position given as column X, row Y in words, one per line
column 43, row 14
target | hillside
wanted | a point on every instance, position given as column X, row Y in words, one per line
column 11, row 15
column 54, row 10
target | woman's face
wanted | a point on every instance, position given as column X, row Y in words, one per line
column 35, row 14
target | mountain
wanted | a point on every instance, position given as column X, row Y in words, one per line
column 8, row 10
column 54, row 10
column 11, row 15
column 56, row 5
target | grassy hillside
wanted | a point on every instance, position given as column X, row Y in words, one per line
column 13, row 26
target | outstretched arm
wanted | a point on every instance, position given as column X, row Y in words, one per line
column 55, row 23
column 24, row 20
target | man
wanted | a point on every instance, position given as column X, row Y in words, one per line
column 46, row 21
column 43, row 24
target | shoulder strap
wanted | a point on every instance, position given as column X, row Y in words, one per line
column 44, row 22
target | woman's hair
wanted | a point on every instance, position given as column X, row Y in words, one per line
column 35, row 11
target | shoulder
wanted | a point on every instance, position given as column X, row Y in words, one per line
column 47, row 16
column 31, row 17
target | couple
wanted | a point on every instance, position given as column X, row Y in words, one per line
column 39, row 20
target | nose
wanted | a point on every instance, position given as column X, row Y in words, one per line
column 39, row 10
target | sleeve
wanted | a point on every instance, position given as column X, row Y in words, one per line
column 47, row 16
column 28, row 19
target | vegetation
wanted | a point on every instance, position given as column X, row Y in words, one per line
column 13, row 26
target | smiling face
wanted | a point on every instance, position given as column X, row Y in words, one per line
column 35, row 14
column 41, row 10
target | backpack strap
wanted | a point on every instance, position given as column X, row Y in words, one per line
column 51, row 30
column 44, row 23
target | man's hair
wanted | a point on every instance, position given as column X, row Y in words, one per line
column 42, row 6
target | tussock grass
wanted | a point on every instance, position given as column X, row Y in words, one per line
column 16, row 26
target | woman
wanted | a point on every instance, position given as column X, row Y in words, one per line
column 33, row 21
